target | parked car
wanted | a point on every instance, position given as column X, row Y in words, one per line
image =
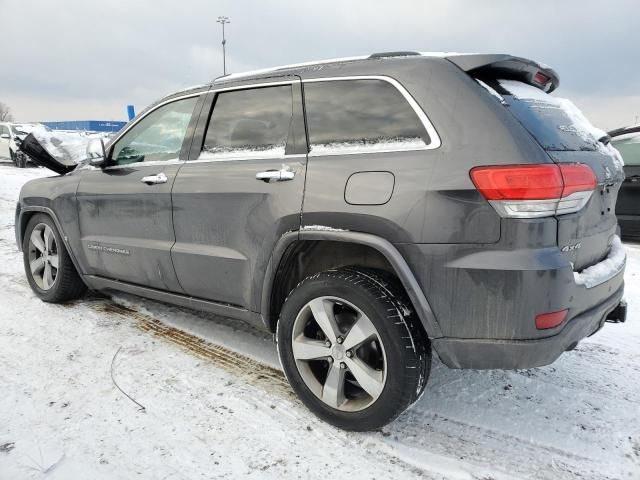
column 367, row 211
column 11, row 136
column 627, row 141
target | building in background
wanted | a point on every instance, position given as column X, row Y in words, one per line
column 86, row 125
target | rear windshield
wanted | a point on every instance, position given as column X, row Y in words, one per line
column 556, row 123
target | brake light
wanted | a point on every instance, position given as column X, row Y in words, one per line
column 530, row 191
column 540, row 78
column 551, row 319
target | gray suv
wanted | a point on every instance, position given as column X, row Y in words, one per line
column 368, row 211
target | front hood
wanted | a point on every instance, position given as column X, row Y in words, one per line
column 40, row 156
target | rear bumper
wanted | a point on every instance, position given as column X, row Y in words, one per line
column 514, row 354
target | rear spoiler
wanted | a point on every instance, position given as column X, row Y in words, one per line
column 507, row 67
column 38, row 155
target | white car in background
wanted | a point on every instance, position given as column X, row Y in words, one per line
column 11, row 135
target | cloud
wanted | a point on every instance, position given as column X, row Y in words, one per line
column 76, row 59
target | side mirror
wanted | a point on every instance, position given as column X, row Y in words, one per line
column 5, row 136
column 95, row 152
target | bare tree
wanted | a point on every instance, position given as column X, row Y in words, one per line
column 5, row 113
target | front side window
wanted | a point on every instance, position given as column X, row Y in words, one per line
column 4, row 130
column 156, row 137
column 367, row 114
column 249, row 123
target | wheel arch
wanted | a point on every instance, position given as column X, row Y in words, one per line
column 379, row 253
column 26, row 213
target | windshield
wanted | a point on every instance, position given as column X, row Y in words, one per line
column 629, row 147
column 18, row 131
column 556, row 123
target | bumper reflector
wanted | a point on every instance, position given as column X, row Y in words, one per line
column 551, row 319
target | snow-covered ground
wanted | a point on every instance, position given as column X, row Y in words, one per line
column 217, row 406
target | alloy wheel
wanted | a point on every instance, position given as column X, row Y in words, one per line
column 339, row 354
column 43, row 256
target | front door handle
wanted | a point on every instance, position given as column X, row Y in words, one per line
column 634, row 178
column 154, row 179
column 281, row 175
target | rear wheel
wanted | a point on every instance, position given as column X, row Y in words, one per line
column 351, row 349
column 50, row 271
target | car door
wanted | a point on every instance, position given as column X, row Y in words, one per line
column 240, row 191
column 124, row 208
column 628, row 204
column 5, row 138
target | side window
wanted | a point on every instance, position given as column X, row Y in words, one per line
column 156, row 137
column 368, row 114
column 629, row 148
column 3, row 130
column 249, row 123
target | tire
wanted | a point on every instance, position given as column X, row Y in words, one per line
column 21, row 160
column 63, row 283
column 393, row 362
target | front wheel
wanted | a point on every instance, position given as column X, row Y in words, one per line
column 50, row 271
column 351, row 348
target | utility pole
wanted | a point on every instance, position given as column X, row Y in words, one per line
column 222, row 20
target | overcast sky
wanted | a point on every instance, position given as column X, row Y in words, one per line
column 79, row 59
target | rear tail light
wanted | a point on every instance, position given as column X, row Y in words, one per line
column 551, row 319
column 533, row 191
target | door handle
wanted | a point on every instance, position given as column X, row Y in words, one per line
column 154, row 179
column 634, row 178
column 281, row 175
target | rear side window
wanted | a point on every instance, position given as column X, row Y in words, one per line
column 249, row 123
column 354, row 115
column 629, row 147
column 556, row 123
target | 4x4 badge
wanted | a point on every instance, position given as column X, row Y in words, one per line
column 571, row 248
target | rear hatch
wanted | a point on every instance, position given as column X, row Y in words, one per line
column 585, row 236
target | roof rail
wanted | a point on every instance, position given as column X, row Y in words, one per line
column 400, row 53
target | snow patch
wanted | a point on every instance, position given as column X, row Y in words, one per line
column 276, row 151
column 64, row 145
column 381, row 146
column 321, row 228
column 603, row 271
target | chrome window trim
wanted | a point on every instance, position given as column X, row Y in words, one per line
column 434, row 143
column 215, row 89
column 282, row 158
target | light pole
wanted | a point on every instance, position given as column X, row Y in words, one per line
column 222, row 21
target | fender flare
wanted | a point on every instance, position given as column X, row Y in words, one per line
column 386, row 248
column 21, row 225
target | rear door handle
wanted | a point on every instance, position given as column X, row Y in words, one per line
column 281, row 175
column 154, row 179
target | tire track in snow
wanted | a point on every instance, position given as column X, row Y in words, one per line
column 241, row 366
